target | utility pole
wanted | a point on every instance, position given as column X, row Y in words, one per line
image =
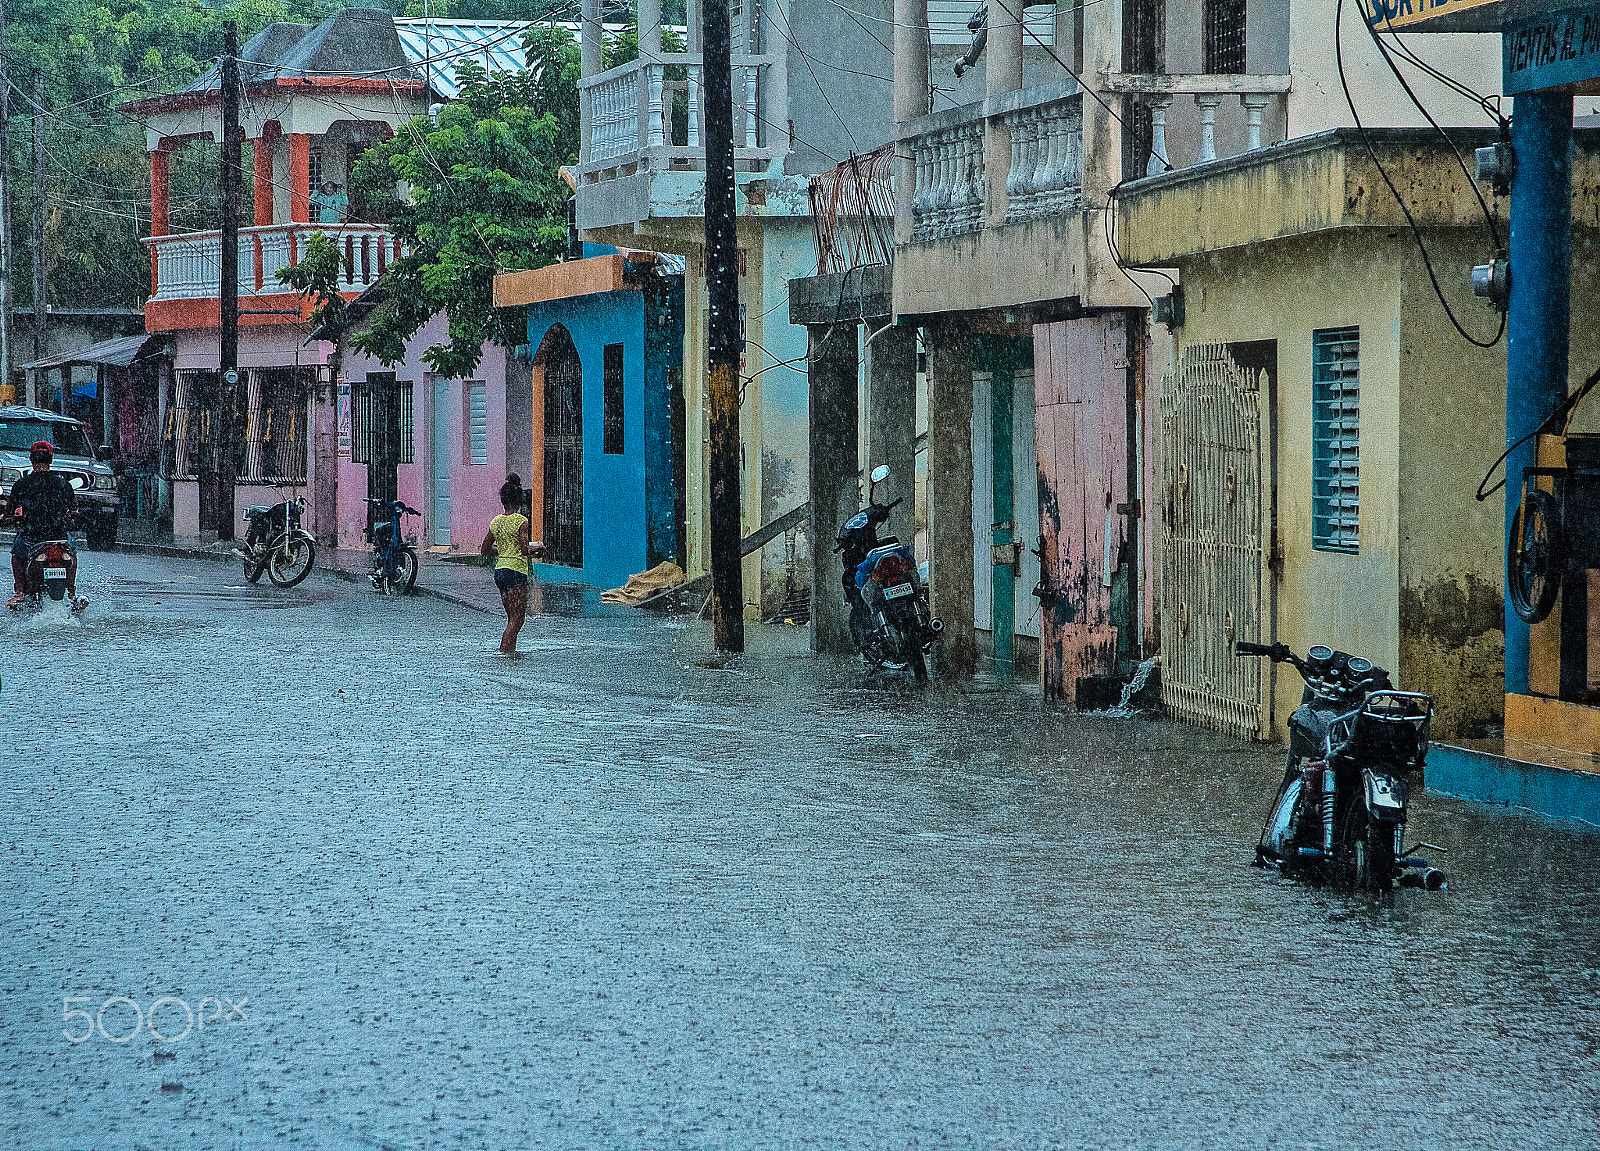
column 40, row 295
column 228, row 423
column 722, row 289
column 5, row 212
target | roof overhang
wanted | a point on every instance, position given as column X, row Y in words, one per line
column 117, row 353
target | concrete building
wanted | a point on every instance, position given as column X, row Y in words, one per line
column 605, row 345
column 810, row 87
column 1044, row 373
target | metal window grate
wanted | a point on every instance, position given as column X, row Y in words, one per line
column 477, row 422
column 381, row 417
column 1144, row 36
column 1224, row 37
column 1335, row 439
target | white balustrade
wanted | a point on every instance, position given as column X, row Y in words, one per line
column 189, row 265
column 1046, row 159
column 1253, row 107
column 694, row 106
column 949, row 196
column 615, row 116
column 1208, row 126
column 1158, row 136
column 657, row 134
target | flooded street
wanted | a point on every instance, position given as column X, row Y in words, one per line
column 600, row 896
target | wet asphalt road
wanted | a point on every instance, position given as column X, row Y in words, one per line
column 597, row 896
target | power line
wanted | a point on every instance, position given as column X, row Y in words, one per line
column 1416, row 233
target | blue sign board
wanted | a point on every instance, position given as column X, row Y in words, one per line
column 1552, row 50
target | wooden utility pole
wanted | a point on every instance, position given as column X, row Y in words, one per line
column 232, row 143
column 5, row 212
column 41, row 306
column 722, row 290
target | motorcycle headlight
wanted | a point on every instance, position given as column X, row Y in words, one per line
column 105, row 483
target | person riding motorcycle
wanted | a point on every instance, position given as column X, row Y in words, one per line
column 42, row 507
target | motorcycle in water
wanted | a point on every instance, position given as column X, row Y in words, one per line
column 276, row 544
column 46, row 575
column 889, row 617
column 394, row 560
column 1356, row 749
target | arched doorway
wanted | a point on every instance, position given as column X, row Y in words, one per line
column 563, row 447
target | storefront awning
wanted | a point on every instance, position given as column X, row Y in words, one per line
column 117, row 353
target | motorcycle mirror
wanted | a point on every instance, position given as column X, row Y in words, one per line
column 880, row 473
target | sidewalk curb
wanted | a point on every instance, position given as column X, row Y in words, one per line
column 173, row 552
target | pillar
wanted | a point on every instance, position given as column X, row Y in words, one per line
column 835, row 474
column 265, row 145
column 649, row 27
column 163, row 406
column 108, row 411
column 299, row 178
column 1537, row 326
column 322, row 426
column 1002, row 73
column 950, row 546
column 910, row 101
column 160, row 210
column 591, row 59
column 892, row 415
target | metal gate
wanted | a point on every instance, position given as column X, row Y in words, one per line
column 1214, row 564
column 563, row 452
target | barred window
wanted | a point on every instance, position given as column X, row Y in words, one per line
column 275, row 431
column 1335, row 439
column 611, row 401
column 477, row 422
column 1144, row 34
column 1224, row 37
column 381, row 419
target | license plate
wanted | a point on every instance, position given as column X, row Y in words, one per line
column 55, row 573
column 897, row 591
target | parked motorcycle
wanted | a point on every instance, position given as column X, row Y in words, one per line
column 46, row 575
column 276, row 544
column 394, row 560
column 889, row 617
column 1356, row 749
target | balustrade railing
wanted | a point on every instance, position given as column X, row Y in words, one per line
column 1044, row 174
column 634, row 117
column 188, row 266
column 1211, row 94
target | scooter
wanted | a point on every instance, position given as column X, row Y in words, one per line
column 890, row 622
column 1356, row 750
column 46, row 575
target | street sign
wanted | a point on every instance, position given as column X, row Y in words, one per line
column 1403, row 14
column 1552, row 50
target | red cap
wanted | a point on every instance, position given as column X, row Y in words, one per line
column 44, row 446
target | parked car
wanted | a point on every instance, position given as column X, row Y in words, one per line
column 98, row 502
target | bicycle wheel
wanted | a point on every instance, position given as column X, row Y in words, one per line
column 404, row 576
column 1535, row 559
column 291, row 562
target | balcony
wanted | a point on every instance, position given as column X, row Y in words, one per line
column 1197, row 118
column 189, row 266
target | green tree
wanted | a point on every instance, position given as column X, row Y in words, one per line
column 475, row 194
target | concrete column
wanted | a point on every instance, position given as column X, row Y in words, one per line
column 591, row 59
column 108, row 410
column 265, row 145
column 163, row 405
column 160, row 183
column 892, row 416
column 322, row 425
column 1539, row 319
column 649, row 27
column 299, row 178
column 950, row 494
column 835, row 474
column 910, row 59
column 1002, row 72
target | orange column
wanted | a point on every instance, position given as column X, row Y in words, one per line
column 299, row 178
column 160, row 218
column 264, row 147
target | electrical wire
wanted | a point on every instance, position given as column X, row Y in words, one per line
column 777, row 10
column 1416, row 232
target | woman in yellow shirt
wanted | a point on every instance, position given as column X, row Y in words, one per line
column 508, row 540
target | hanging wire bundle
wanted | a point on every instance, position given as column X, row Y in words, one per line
column 852, row 210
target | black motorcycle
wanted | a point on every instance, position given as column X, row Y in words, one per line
column 889, row 618
column 1356, row 750
column 275, row 543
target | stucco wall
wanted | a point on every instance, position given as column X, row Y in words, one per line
column 1284, row 292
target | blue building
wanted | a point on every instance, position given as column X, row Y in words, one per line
column 606, row 334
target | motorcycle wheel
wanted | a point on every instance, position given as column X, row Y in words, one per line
column 1535, row 559
column 404, row 576
column 253, row 569
column 1368, row 855
column 291, row 563
column 919, row 665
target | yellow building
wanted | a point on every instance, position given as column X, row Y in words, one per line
column 1325, row 428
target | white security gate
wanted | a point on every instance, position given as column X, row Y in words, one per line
column 1214, row 563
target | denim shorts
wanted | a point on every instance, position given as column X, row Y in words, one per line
column 509, row 579
column 21, row 548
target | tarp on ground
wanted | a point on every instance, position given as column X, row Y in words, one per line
column 644, row 585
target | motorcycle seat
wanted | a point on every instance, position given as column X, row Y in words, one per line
column 258, row 510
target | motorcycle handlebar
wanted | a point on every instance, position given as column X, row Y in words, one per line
column 1243, row 648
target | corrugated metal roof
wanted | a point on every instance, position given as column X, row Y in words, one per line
column 438, row 45
column 117, row 353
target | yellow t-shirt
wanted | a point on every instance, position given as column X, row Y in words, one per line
column 505, row 530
